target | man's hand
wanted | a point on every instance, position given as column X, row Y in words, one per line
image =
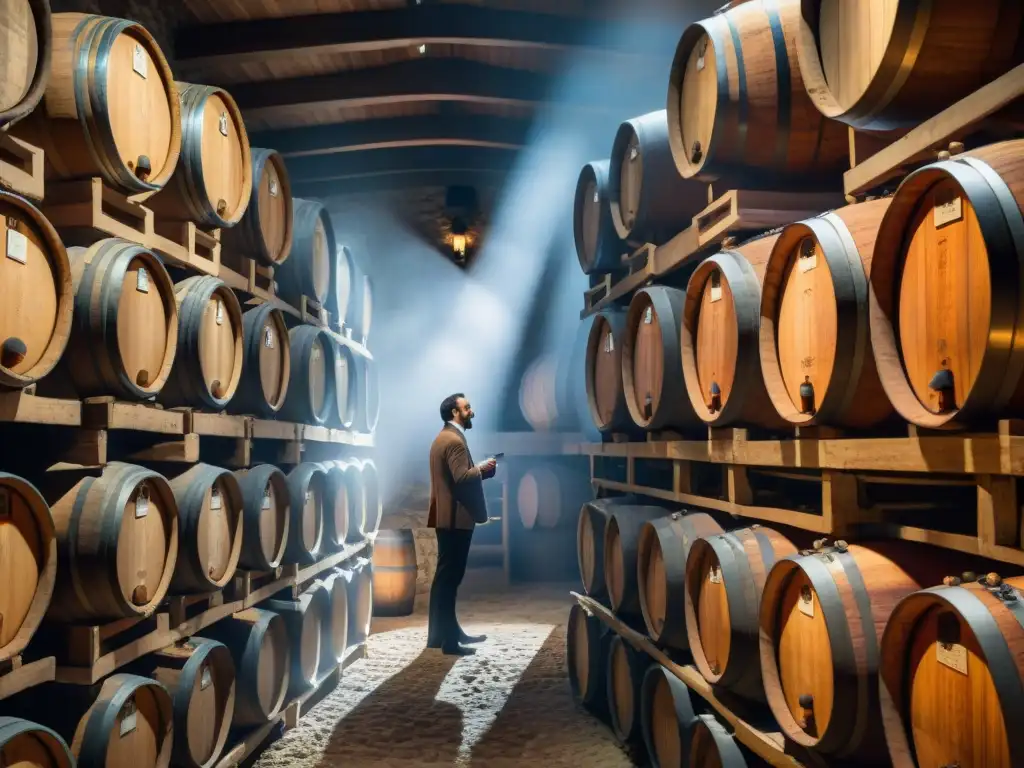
column 488, row 468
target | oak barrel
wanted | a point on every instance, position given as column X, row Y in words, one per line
column 394, row 572
column 208, row 362
column 264, row 232
column 662, row 548
column 606, row 396
column 667, row 717
column 336, row 505
column 346, row 285
column 305, row 618
column 210, row 529
column 307, row 493
column 622, row 533
column 309, row 270
column 28, row 569
column 951, row 672
column 24, row 58
column 259, row 645
column 347, row 389
column 359, row 584
column 23, row 743
column 125, row 330
column 548, row 495
column 266, row 363
column 946, row 325
column 310, row 397
column 266, row 509
column 358, row 311
column 712, row 746
column 590, row 541
column 355, row 498
column 649, row 201
column 725, row 573
column 625, row 678
column 111, row 106
column 371, row 491
column 367, row 391
column 816, row 357
column 117, row 541
column 545, row 396
column 720, row 338
column 737, row 107
column 598, row 246
column 336, row 628
column 895, row 64
column 586, row 652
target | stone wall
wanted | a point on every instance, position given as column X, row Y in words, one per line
column 408, row 509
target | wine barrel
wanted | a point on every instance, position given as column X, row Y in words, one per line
column 606, row 396
column 25, row 60
column 548, row 494
column 950, row 676
column 335, row 640
column 625, row 677
column 208, row 364
column 310, row 397
column 724, row 576
column 944, row 318
column 347, row 278
column 264, row 232
column 660, row 572
column 357, row 312
column 712, row 746
column 355, row 499
column 652, row 369
column 359, row 584
column 586, row 651
column 210, row 526
column 305, row 618
column 347, row 389
column 598, row 246
column 117, row 540
column 200, row 676
column 213, row 181
column 622, row 532
column 819, row 617
column 545, row 394
column 648, row 200
column 737, row 107
column 899, row 63
column 266, row 363
column 309, row 271
column 394, row 573
column 267, row 512
column 590, row 541
column 111, row 106
column 307, row 492
column 336, row 504
column 367, row 308
column 371, row 492
column 720, row 338
column 367, row 408
column 23, row 743
column 259, row 645
column 667, row 717
column 125, row 330
column 816, row 357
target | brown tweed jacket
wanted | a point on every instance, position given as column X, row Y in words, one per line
column 456, row 484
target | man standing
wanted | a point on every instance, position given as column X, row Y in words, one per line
column 456, row 506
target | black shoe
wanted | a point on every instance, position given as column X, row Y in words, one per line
column 457, row 650
column 471, row 639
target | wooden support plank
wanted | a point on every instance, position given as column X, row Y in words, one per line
column 17, row 676
column 840, row 504
column 87, row 448
column 738, row 485
column 184, row 450
column 276, row 430
column 21, row 167
column 19, row 407
column 999, row 516
column 106, row 413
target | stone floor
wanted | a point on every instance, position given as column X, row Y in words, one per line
column 509, row 705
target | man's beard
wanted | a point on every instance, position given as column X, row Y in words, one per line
column 467, row 423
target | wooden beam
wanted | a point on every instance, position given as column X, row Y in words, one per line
column 376, row 161
column 389, row 182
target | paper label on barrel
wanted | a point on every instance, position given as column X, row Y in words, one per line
column 597, row 197
column 274, row 189
column 223, row 124
column 952, row 655
column 206, row 679
column 268, row 338
column 216, row 502
column 141, row 506
column 17, row 246
column 142, row 281
column 949, row 210
column 807, row 263
column 700, row 64
column 633, row 153
column 309, row 496
column 716, row 292
column 648, row 316
column 266, row 500
column 609, row 343
column 140, row 62
column 316, row 354
column 715, row 577
column 220, row 312
column 806, row 607
column 129, row 717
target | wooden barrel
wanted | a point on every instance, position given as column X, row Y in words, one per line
column 335, row 640
column 897, row 64
column 737, row 107
column 367, row 308
column 307, row 493
column 210, row 526
column 336, row 504
column 586, row 652
column 117, row 540
column 264, row 232
column 266, row 363
column 305, row 618
column 548, row 495
column 23, row 743
column 598, row 246
column 545, row 394
column 724, row 576
column 660, row 571
column 359, row 584
column 590, row 541
column 25, row 60
column 622, row 532
column 125, row 330
column 945, row 326
column 667, row 717
column 367, row 409
column 720, row 338
column 820, row 618
column 951, row 675
column 358, row 311
column 346, row 389
column 355, row 499
column 394, row 572
column 652, row 369
column 712, row 746
column 208, row 363
column 648, row 200
column 259, row 644
column 213, row 181
column 625, row 678
column 29, row 568
column 371, row 492
column 309, row 270
column 111, row 106
column 200, row 676
column 816, row 357
column 267, row 517
column 310, row 396
column 606, row 396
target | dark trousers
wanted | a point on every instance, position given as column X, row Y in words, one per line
column 452, row 554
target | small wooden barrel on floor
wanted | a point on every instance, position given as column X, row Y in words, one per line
column 720, row 338
column 816, row 357
column 111, row 107
column 394, row 573
column 605, row 393
column 598, row 246
column 267, row 517
column 266, row 363
column 737, row 107
column 712, row 746
column 590, row 541
column 24, row 743
column 371, row 493
column 210, row 525
column 586, row 652
column 265, row 230
column 336, row 505
column 622, row 533
column 359, row 583
column 305, row 618
column 125, row 330
column 118, row 535
column 347, row 390
column 946, row 325
column 307, row 492
column 259, row 645
column 896, row 64
column 667, row 717
column 335, row 640
column 208, row 363
column 625, row 677
column 660, row 572
column 310, row 397
column 25, row 60
column 309, row 270
column 36, row 294
column 548, row 495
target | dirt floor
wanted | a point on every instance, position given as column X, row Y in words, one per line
column 407, row 706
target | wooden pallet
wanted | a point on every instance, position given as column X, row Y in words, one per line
column 21, row 167
column 17, row 674
column 314, row 313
